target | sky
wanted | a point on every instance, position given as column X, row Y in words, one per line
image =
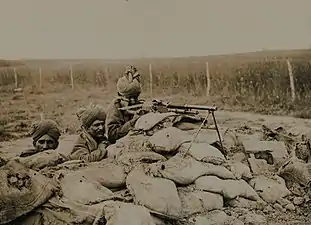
column 112, row 29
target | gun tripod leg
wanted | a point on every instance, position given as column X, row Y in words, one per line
column 218, row 133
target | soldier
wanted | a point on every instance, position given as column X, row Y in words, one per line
column 92, row 142
column 119, row 123
column 45, row 134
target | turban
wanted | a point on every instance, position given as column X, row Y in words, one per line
column 44, row 127
column 130, row 69
column 87, row 116
column 129, row 87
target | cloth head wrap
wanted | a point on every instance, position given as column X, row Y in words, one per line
column 44, row 127
column 87, row 116
column 129, row 85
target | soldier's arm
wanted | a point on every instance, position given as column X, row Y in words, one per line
column 81, row 152
column 114, row 127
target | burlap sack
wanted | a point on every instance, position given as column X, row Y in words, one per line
column 168, row 140
column 157, row 194
column 79, row 188
column 118, row 213
column 42, row 159
column 22, row 190
column 185, row 170
column 229, row 189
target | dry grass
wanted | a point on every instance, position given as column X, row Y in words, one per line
column 257, row 82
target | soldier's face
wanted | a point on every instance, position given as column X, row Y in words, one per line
column 97, row 129
column 46, row 143
column 133, row 100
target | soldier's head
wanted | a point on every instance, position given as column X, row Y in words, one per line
column 45, row 135
column 129, row 86
column 93, row 120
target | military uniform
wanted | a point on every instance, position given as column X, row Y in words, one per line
column 118, row 123
column 88, row 148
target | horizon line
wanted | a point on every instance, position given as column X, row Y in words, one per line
column 161, row 57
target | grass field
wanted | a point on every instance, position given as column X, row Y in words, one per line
column 256, row 82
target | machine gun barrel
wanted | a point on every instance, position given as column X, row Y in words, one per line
column 189, row 107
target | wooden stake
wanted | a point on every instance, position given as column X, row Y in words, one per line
column 208, row 80
column 291, row 80
column 71, row 77
column 107, row 77
column 151, row 80
column 15, row 76
column 40, row 74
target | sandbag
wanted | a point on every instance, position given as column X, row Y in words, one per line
column 133, row 143
column 118, row 213
column 77, row 188
column 105, row 172
column 42, row 159
column 22, row 190
column 168, row 140
column 185, row 170
column 62, row 211
column 229, row 189
column 270, row 190
column 58, row 212
column 199, row 201
column 32, row 218
column 204, row 152
column 253, row 219
column 157, row 194
column 148, row 121
column 130, row 158
column 240, row 170
column 113, row 151
column 217, row 217
column 296, row 171
column 241, row 202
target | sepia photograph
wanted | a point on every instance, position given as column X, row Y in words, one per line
column 155, row 112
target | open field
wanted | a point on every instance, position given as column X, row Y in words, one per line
column 256, row 82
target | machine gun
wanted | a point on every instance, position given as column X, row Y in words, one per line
column 162, row 106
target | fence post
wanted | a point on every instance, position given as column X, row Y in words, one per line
column 291, row 80
column 151, row 80
column 107, row 77
column 40, row 74
column 15, row 77
column 71, row 77
column 208, row 80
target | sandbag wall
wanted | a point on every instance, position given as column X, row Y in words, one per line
column 163, row 178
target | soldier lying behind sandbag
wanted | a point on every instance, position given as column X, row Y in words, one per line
column 92, row 142
column 119, row 123
column 45, row 135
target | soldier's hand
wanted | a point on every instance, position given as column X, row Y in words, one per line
column 147, row 107
column 134, row 119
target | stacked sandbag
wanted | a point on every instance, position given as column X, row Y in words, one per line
column 188, row 184
column 41, row 160
column 165, row 177
column 22, row 190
